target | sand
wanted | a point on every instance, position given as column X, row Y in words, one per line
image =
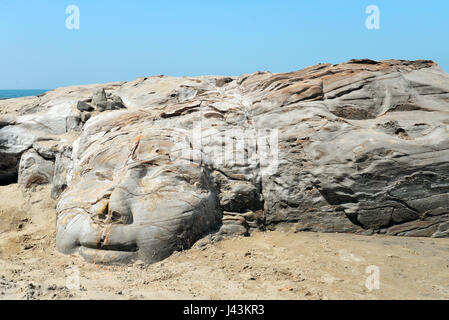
column 267, row 265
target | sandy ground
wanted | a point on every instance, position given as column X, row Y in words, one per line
column 267, row 265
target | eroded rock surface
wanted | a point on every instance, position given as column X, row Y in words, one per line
column 147, row 167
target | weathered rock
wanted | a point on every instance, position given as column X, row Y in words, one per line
column 220, row 82
column 62, row 165
column 84, row 106
column 99, row 96
column 85, row 116
column 109, row 105
column 39, row 122
column 105, row 101
column 31, row 122
column 34, row 169
column 332, row 148
column 47, row 148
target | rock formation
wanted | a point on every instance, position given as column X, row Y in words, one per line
column 143, row 168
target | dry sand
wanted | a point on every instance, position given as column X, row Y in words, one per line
column 267, row 265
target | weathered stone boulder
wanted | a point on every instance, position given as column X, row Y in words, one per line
column 34, row 169
column 101, row 100
column 84, row 106
column 99, row 96
column 357, row 147
column 43, row 123
column 33, row 123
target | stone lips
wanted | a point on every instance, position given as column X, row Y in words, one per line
column 361, row 147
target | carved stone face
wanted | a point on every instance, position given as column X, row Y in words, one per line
column 348, row 138
column 138, row 203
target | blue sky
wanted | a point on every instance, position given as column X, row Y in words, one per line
column 122, row 40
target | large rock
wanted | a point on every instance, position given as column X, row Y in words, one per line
column 102, row 102
column 99, row 96
column 42, row 122
column 34, row 169
column 356, row 147
column 32, row 123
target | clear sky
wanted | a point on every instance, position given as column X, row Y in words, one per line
column 123, row 40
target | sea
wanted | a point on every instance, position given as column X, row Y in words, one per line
column 8, row 94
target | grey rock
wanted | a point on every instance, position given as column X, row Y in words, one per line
column 352, row 147
column 350, row 156
column 233, row 229
column 84, row 106
column 34, row 169
column 99, row 96
column 47, row 148
column 443, row 231
column 85, row 116
column 109, row 105
column 32, row 121
column 63, row 167
column 105, row 102
column 220, row 82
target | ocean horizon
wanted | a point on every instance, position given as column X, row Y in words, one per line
column 17, row 93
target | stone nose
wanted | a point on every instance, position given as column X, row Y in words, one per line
column 119, row 211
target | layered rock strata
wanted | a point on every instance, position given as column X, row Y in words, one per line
column 143, row 168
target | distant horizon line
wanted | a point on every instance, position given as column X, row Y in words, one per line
column 33, row 89
column 217, row 75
